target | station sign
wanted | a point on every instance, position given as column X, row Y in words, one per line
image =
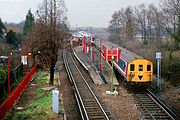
column 112, row 54
column 158, row 55
column 24, row 60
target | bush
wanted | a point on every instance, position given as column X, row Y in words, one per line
column 3, row 77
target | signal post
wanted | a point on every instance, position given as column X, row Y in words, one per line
column 112, row 55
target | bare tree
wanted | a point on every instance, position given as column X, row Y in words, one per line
column 122, row 25
column 130, row 25
column 156, row 23
column 171, row 20
column 141, row 20
column 47, row 35
column 114, row 27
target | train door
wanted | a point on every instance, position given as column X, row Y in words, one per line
column 144, row 71
column 132, row 72
column 149, row 72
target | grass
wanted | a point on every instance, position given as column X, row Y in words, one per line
column 40, row 107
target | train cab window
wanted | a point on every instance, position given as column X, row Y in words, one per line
column 148, row 67
column 132, row 67
column 140, row 67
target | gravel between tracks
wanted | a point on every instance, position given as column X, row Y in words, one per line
column 121, row 106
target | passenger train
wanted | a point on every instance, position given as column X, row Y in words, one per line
column 81, row 34
column 134, row 69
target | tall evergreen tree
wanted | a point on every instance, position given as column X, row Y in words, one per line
column 11, row 37
column 29, row 22
column 2, row 28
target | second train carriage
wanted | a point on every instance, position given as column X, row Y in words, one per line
column 134, row 68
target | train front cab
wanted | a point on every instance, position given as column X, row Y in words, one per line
column 140, row 71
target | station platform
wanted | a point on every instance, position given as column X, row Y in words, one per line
column 93, row 66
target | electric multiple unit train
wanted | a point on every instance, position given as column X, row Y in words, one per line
column 135, row 69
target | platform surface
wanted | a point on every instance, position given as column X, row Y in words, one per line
column 93, row 66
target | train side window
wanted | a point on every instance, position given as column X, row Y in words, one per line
column 148, row 67
column 140, row 67
column 132, row 67
column 122, row 65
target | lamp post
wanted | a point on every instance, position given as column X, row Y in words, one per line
column 92, row 49
column 3, row 51
column 39, row 59
column 84, row 44
column 29, row 60
column 9, row 74
column 100, row 56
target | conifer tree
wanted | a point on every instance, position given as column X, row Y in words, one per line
column 2, row 29
column 11, row 37
column 29, row 22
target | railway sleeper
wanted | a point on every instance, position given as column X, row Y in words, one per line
column 150, row 103
column 97, row 113
column 93, row 101
column 97, row 118
column 157, row 113
column 93, row 110
column 146, row 100
column 153, row 107
column 162, row 117
column 150, row 106
column 91, row 107
column 147, row 116
column 90, row 103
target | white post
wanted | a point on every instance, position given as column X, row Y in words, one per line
column 55, row 101
column 158, row 57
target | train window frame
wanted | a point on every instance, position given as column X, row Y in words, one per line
column 132, row 67
column 141, row 67
column 122, row 65
column 148, row 68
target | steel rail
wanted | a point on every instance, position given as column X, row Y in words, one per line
column 153, row 107
column 163, row 106
column 92, row 93
column 78, row 96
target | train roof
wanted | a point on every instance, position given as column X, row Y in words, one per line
column 126, row 55
column 82, row 34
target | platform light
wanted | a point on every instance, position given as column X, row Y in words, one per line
column 29, row 53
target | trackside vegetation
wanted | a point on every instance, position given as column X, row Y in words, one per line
column 40, row 105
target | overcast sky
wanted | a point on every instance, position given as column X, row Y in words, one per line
column 95, row 13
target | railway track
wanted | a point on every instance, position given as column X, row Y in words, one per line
column 89, row 105
column 152, row 107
